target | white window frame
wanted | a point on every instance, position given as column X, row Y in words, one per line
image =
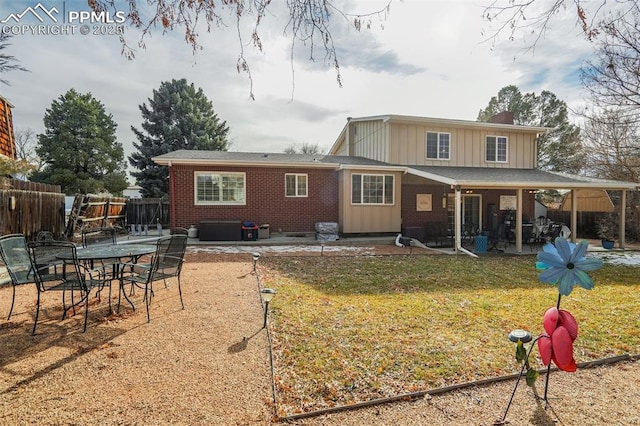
column 221, row 175
column 440, row 143
column 496, row 151
column 384, row 189
column 297, row 177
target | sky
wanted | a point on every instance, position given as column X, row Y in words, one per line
column 426, row 58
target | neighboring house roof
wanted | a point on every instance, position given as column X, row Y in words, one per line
column 590, row 200
column 432, row 121
column 512, row 178
column 196, row 157
column 7, row 140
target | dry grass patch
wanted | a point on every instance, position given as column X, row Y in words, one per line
column 347, row 330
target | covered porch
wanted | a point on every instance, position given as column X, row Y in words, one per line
column 478, row 200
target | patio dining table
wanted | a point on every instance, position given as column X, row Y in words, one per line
column 113, row 252
column 113, row 255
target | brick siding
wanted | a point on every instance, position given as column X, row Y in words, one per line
column 411, row 217
column 265, row 198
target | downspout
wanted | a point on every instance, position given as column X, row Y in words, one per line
column 623, row 218
column 519, row 212
column 457, row 211
column 172, row 195
column 574, row 215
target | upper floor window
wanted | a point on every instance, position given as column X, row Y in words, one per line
column 496, row 149
column 372, row 189
column 220, row 188
column 295, row 185
column 438, row 145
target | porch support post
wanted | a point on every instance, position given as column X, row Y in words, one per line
column 458, row 219
column 623, row 217
column 172, row 195
column 519, row 220
column 574, row 215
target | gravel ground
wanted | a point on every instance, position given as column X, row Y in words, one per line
column 209, row 365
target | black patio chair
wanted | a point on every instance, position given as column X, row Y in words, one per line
column 16, row 258
column 45, row 236
column 166, row 263
column 57, row 269
column 469, row 233
column 180, row 231
column 531, row 238
column 105, row 235
column 497, row 236
column 555, row 229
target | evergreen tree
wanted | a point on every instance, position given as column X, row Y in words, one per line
column 79, row 150
column 560, row 149
column 178, row 117
column 7, row 62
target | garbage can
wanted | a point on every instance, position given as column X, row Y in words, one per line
column 249, row 231
column 482, row 241
column 263, row 232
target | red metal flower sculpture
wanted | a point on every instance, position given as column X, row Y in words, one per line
column 557, row 344
column 563, row 264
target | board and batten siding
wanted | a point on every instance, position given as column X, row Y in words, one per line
column 369, row 218
column 407, row 146
column 369, row 140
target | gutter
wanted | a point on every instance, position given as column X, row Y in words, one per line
column 200, row 162
column 402, row 169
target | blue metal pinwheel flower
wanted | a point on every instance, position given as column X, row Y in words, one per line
column 565, row 264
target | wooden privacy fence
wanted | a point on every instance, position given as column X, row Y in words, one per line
column 148, row 211
column 28, row 208
column 95, row 211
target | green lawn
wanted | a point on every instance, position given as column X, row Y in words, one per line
column 351, row 329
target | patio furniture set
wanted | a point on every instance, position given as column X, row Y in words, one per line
column 76, row 271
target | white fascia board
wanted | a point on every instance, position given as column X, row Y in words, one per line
column 550, row 185
column 432, row 176
column 373, row 167
column 524, row 185
column 200, row 162
column 454, row 122
column 340, row 136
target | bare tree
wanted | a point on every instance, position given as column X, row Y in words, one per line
column 303, row 148
column 534, row 16
column 26, row 142
column 612, row 142
column 7, row 62
column 308, row 23
column 613, row 79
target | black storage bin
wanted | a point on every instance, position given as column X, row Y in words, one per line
column 220, row 230
column 249, row 231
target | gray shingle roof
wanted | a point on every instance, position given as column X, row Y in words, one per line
column 463, row 176
column 506, row 177
column 195, row 156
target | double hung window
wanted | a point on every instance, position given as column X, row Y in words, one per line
column 496, row 149
column 220, row 188
column 295, row 185
column 438, row 146
column 372, row 189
